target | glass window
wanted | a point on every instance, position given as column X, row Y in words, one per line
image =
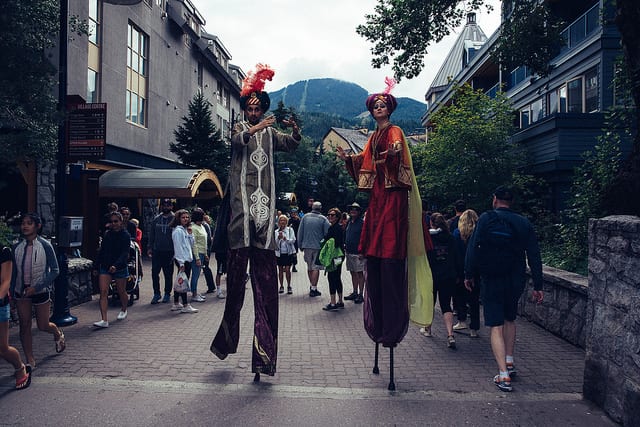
column 137, row 66
column 574, row 96
column 562, row 99
column 591, row 91
column 94, row 21
column 552, row 102
column 536, row 111
column 524, row 117
column 92, row 86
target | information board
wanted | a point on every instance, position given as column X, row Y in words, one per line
column 86, row 131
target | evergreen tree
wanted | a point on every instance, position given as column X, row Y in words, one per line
column 198, row 141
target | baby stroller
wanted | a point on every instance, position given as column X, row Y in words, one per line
column 133, row 281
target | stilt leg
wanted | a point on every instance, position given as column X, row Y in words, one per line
column 256, row 378
column 392, row 385
column 375, row 362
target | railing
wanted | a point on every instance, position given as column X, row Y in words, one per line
column 581, row 28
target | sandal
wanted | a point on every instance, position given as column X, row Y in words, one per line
column 25, row 381
column 60, row 343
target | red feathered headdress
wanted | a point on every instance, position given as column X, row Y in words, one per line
column 252, row 88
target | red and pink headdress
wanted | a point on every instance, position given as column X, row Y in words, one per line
column 385, row 96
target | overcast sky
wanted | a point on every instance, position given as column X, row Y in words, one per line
column 303, row 40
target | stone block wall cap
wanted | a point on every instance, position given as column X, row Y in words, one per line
column 624, row 218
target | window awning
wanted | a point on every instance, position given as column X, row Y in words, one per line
column 160, row 183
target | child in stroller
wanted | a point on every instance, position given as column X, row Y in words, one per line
column 133, row 281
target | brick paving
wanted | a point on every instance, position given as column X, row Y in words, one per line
column 328, row 352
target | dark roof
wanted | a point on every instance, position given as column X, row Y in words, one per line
column 356, row 138
column 160, row 183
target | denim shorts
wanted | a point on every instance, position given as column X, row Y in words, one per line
column 5, row 313
column 123, row 273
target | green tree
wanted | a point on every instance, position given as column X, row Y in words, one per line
column 198, row 142
column 28, row 79
column 469, row 153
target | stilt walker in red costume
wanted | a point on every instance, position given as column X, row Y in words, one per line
column 393, row 240
column 252, row 202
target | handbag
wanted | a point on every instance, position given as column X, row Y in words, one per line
column 181, row 283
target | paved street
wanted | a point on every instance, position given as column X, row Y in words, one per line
column 155, row 368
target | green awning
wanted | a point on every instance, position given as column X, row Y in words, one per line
column 160, row 183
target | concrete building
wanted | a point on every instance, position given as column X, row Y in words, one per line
column 145, row 59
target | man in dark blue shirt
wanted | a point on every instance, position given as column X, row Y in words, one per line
column 501, row 288
column 355, row 261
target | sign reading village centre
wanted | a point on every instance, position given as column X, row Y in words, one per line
column 86, row 131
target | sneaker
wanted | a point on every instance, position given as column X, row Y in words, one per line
column 426, row 331
column 512, row 370
column 289, row 290
column 198, row 298
column 221, row 295
column 176, row 307
column 330, row 307
column 460, row 326
column 314, row 293
column 351, row 297
column 156, row 299
column 166, row 298
column 210, row 291
column 451, row 342
column 281, row 290
column 101, row 324
column 340, row 304
column 474, row 334
column 294, row 269
column 359, row 299
column 189, row 309
column 503, row 383
column 122, row 315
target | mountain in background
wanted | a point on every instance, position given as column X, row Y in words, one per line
column 325, row 103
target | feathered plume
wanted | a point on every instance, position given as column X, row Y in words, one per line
column 254, row 82
column 391, row 83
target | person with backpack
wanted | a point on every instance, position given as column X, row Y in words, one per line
column 499, row 249
column 445, row 263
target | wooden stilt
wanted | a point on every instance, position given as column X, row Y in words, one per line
column 392, row 384
column 375, row 362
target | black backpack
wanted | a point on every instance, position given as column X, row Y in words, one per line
column 497, row 247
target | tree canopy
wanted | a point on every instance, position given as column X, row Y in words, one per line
column 198, row 142
column 469, row 152
column 28, row 79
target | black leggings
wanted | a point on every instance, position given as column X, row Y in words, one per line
column 335, row 282
column 444, row 289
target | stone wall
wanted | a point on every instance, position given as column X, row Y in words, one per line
column 46, row 201
column 80, row 281
column 612, row 363
column 564, row 309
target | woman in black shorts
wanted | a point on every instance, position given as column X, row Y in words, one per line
column 112, row 263
column 35, row 269
column 285, row 251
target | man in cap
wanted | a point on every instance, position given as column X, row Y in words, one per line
column 313, row 228
column 504, row 281
column 252, row 221
column 160, row 250
column 355, row 260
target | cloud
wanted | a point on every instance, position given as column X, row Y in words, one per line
column 306, row 40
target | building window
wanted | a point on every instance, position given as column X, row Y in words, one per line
column 591, row 91
column 94, row 21
column 200, row 75
column 219, row 93
column 562, row 99
column 162, row 4
column 574, row 96
column 137, row 69
column 524, row 117
column 552, row 102
column 92, row 86
column 537, row 112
